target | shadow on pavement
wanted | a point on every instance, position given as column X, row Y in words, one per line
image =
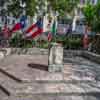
column 38, row 66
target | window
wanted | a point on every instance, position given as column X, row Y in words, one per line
column 1, row 3
column 2, row 19
column 13, row 22
column 8, row 21
column 82, row 1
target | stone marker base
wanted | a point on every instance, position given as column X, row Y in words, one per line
column 55, row 68
column 1, row 55
column 55, row 60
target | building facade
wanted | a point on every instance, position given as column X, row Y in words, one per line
column 5, row 16
column 79, row 20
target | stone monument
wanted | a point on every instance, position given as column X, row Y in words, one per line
column 55, row 61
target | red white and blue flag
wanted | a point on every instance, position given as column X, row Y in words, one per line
column 20, row 25
column 35, row 29
column 6, row 31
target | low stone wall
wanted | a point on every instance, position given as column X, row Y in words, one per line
column 27, row 51
column 91, row 56
column 86, row 54
column 70, row 53
column 37, row 51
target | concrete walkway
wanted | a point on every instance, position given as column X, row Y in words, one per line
column 27, row 78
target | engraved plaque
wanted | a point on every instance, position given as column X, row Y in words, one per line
column 59, row 55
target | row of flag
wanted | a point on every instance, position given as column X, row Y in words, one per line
column 32, row 31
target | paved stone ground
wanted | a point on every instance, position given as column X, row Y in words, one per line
column 27, row 78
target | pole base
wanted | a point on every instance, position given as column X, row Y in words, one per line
column 55, row 68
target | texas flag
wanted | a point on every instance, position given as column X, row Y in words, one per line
column 35, row 29
column 20, row 25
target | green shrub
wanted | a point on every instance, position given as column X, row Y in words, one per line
column 68, row 42
column 18, row 41
column 74, row 43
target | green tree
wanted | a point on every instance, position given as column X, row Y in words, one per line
column 96, row 21
column 89, row 11
column 63, row 6
column 92, row 16
column 14, row 7
column 33, row 6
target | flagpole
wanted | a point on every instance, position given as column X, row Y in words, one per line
column 5, row 25
column 55, row 30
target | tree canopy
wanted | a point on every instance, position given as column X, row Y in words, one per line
column 34, row 6
column 89, row 14
column 92, row 16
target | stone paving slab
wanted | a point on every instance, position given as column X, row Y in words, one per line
column 4, row 79
column 3, row 90
column 22, row 72
column 79, row 60
column 56, row 97
column 17, row 67
column 75, row 80
column 3, row 96
column 29, row 75
column 51, row 89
